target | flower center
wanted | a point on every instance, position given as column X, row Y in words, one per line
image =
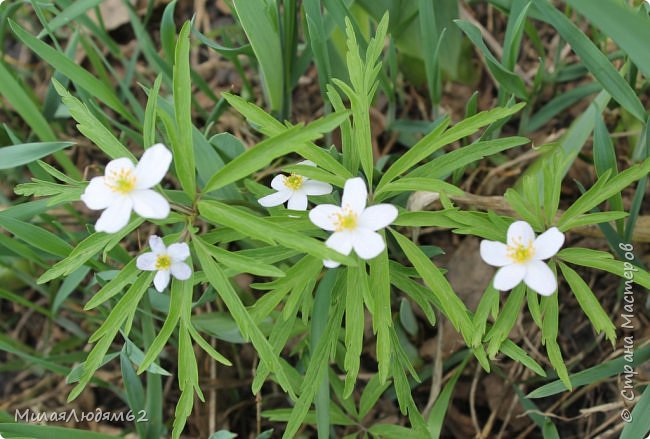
column 520, row 253
column 122, row 181
column 345, row 220
column 294, row 182
column 163, row 262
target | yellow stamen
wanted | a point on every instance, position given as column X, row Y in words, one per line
column 520, row 253
column 122, row 181
column 294, row 181
column 163, row 262
column 345, row 220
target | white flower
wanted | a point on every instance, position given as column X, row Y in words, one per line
column 354, row 225
column 294, row 189
column 166, row 261
column 125, row 187
column 522, row 258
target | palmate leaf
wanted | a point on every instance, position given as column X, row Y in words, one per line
column 439, row 138
column 589, row 303
column 90, row 126
column 85, row 250
column 245, row 322
column 265, row 230
column 450, row 303
column 106, row 333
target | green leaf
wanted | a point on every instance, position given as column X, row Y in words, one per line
column 589, row 303
column 504, row 77
column 183, row 148
column 36, row 236
column 269, row 126
column 604, row 188
column 628, row 28
column 317, row 367
column 407, row 184
column 444, row 165
column 68, row 15
column 181, row 294
column 509, row 348
column 243, row 264
column 246, row 324
column 439, row 409
column 264, row 230
column 506, row 319
column 595, row 374
column 86, row 249
column 357, row 280
column 549, row 338
column 605, row 261
column 108, row 330
column 439, row 138
column 90, row 126
column 69, row 68
column 259, row 21
column 638, row 426
column 451, row 305
column 149, row 125
column 381, row 315
column 560, row 103
column 18, row 155
column 268, row 150
column 593, row 58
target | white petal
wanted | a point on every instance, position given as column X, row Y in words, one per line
column 355, row 195
column 520, row 232
column 298, row 201
column 330, row 263
column 323, row 216
column 367, row 244
column 275, row 199
column 161, row 280
column 118, row 165
column 278, row 182
column 495, row 253
column 548, row 243
column 178, row 251
column 509, row 277
column 150, row 204
column 157, row 245
column 540, row 278
column 153, row 166
column 98, row 195
column 341, row 242
column 181, row 271
column 377, row 217
column 146, row 261
column 314, row 187
column 115, row 217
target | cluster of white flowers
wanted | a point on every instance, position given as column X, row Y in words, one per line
column 126, row 187
column 354, row 225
